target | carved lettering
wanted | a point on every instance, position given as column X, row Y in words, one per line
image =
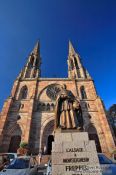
column 74, row 150
column 74, row 160
column 77, row 168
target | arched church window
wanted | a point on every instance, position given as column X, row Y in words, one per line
column 28, row 73
column 34, row 74
column 23, row 93
column 76, row 64
column 30, row 64
column 77, row 67
column 32, row 60
column 78, row 73
column 83, row 92
column 71, row 65
column 43, row 107
column 48, row 107
column 39, row 107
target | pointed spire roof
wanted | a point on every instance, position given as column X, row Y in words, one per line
column 36, row 49
column 71, row 48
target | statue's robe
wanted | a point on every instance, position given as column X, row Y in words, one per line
column 64, row 111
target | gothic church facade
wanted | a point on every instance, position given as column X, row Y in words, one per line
column 28, row 114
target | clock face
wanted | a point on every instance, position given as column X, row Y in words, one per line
column 53, row 91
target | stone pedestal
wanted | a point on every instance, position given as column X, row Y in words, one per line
column 74, row 154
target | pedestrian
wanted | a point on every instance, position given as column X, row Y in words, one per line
column 40, row 157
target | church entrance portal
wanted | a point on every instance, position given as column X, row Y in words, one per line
column 14, row 143
column 49, row 144
column 96, row 139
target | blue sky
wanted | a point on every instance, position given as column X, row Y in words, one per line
column 89, row 24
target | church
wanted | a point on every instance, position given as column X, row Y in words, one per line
column 28, row 113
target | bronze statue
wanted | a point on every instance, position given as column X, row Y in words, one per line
column 68, row 113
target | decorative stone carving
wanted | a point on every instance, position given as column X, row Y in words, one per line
column 53, row 91
column 49, row 107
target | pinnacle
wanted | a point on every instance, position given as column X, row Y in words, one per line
column 71, row 48
column 36, row 48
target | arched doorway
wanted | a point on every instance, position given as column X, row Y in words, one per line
column 47, row 137
column 94, row 136
column 49, row 144
column 15, row 134
column 14, row 143
column 96, row 139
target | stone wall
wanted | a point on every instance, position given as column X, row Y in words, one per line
column 36, row 125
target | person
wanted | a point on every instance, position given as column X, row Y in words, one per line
column 40, row 157
column 44, row 150
column 66, row 110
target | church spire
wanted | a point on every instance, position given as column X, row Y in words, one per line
column 75, row 67
column 32, row 67
column 36, row 49
column 71, row 48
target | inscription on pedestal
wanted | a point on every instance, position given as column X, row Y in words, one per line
column 68, row 158
column 74, row 150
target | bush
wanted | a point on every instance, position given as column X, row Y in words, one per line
column 23, row 145
column 23, row 149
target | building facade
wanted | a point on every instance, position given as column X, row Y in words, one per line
column 28, row 113
column 111, row 113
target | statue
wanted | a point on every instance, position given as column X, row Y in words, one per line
column 68, row 113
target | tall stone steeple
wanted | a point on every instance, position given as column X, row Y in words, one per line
column 75, row 67
column 32, row 67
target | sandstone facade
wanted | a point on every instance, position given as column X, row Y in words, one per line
column 28, row 113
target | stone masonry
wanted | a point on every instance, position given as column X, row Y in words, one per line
column 28, row 113
column 73, row 153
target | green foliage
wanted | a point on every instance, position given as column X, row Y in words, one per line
column 23, row 145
